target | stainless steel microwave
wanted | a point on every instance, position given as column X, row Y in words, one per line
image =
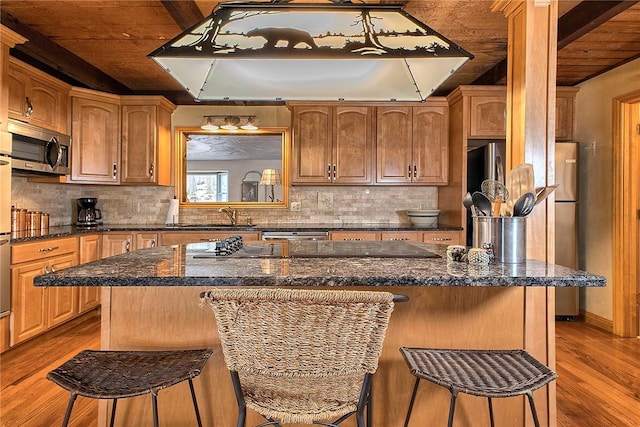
column 38, row 150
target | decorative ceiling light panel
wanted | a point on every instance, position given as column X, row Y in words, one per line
column 258, row 51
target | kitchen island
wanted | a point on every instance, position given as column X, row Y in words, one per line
column 150, row 300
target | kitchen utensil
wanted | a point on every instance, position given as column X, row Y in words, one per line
column 494, row 189
column 467, row 202
column 482, row 203
column 521, row 180
column 524, row 205
column 543, row 192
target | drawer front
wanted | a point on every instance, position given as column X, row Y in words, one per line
column 22, row 252
column 185, row 237
column 443, row 237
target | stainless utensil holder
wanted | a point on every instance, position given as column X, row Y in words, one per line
column 508, row 235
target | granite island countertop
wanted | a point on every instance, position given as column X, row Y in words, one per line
column 180, row 265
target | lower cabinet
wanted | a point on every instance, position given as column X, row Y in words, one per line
column 436, row 236
column 34, row 309
column 116, row 243
column 443, row 237
column 90, row 250
column 184, row 237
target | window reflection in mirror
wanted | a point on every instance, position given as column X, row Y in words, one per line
column 215, row 168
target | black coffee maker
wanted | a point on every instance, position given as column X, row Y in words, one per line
column 88, row 215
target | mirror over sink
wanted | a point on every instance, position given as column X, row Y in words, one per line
column 238, row 169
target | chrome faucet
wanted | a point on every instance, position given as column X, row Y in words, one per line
column 231, row 213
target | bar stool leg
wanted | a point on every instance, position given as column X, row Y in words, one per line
column 113, row 412
column 154, row 401
column 195, row 402
column 370, row 405
column 452, row 407
column 67, row 414
column 413, row 398
column 533, row 409
column 491, row 411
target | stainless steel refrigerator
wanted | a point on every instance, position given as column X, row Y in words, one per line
column 566, row 171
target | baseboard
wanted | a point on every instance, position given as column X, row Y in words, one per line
column 597, row 321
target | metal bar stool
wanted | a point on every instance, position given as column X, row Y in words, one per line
column 122, row 374
column 487, row 373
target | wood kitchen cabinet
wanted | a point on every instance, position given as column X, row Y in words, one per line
column 354, row 235
column 412, row 144
column 146, row 140
column 487, row 112
column 116, row 243
column 35, row 309
column 169, row 238
column 565, row 113
column 37, row 98
column 332, row 144
column 95, row 129
column 409, row 236
column 90, row 249
column 444, row 237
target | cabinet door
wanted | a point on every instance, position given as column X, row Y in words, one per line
column 352, row 145
column 146, row 240
column 410, row 236
column 116, row 244
column 354, row 235
column 18, row 89
column 184, row 237
column 50, row 106
column 565, row 113
column 62, row 300
column 443, row 237
column 138, row 144
column 488, row 117
column 430, row 145
column 393, row 144
column 90, row 249
column 96, row 141
column 312, row 156
column 28, row 303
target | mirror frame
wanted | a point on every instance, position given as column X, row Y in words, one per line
column 180, row 168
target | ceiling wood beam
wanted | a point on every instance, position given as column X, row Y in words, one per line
column 185, row 13
column 61, row 62
column 577, row 22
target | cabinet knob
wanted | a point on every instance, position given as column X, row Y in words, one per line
column 329, row 172
column 151, row 170
column 115, row 171
column 128, row 245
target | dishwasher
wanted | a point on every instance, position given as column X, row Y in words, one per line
column 295, row 235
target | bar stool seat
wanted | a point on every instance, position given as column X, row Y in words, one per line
column 122, row 374
column 487, row 373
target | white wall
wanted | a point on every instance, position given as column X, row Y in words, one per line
column 594, row 109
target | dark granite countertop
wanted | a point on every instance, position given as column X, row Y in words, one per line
column 178, row 266
column 70, row 230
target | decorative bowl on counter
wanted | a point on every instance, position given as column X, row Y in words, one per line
column 425, row 218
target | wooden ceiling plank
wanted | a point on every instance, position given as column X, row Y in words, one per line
column 578, row 21
column 185, row 13
column 60, row 60
column 587, row 16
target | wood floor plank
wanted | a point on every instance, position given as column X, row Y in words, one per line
column 598, row 383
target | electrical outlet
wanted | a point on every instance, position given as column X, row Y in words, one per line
column 296, row 206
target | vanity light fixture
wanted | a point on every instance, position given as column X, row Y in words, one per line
column 227, row 122
column 282, row 51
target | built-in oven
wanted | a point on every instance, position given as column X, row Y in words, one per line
column 5, row 223
column 39, row 151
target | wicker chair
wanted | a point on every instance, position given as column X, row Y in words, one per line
column 121, row 374
column 301, row 356
column 487, row 373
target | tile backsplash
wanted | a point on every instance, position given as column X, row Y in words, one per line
column 149, row 205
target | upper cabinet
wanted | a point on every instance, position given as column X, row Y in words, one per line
column 37, row 98
column 412, row 144
column 95, row 129
column 488, row 113
column 146, row 140
column 565, row 113
column 332, row 144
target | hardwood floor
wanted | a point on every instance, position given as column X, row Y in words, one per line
column 598, row 384
column 598, row 377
